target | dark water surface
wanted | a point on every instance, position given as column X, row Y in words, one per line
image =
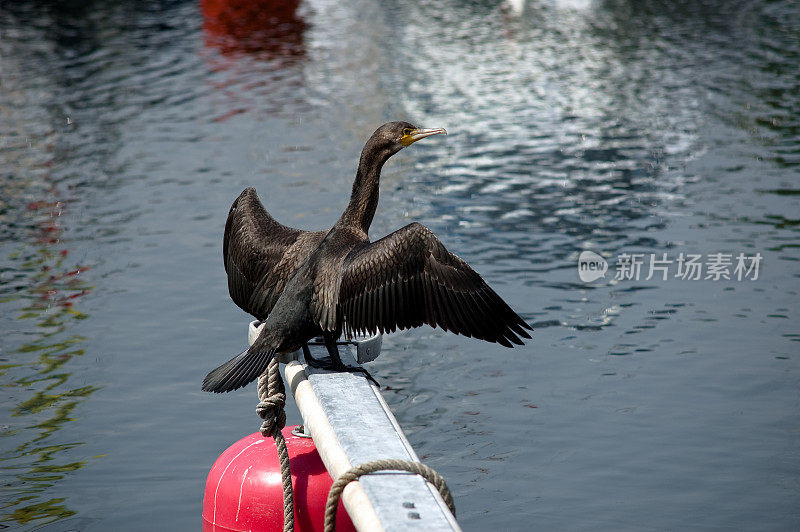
column 127, row 129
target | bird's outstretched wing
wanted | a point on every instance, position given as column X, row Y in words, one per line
column 408, row 278
column 260, row 254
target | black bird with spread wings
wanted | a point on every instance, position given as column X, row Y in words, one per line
column 305, row 284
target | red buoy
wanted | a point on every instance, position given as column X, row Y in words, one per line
column 244, row 489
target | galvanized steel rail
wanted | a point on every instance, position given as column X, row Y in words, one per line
column 351, row 424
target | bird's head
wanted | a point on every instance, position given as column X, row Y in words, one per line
column 394, row 136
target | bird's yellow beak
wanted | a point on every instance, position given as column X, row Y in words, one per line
column 418, row 134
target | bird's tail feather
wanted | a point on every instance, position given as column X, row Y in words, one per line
column 239, row 371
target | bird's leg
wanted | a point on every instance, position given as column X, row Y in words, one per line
column 307, row 354
column 319, row 363
column 334, row 363
column 333, row 351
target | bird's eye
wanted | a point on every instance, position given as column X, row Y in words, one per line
column 407, row 131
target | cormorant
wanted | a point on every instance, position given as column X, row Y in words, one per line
column 304, row 284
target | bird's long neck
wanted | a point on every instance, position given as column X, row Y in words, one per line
column 364, row 198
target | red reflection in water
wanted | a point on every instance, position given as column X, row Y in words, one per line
column 269, row 29
column 48, row 233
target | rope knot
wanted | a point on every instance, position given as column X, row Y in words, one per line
column 272, row 397
column 270, row 409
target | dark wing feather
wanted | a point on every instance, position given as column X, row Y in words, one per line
column 239, row 371
column 408, row 278
column 260, row 254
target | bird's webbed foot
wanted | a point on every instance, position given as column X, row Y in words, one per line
column 359, row 369
column 334, row 362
